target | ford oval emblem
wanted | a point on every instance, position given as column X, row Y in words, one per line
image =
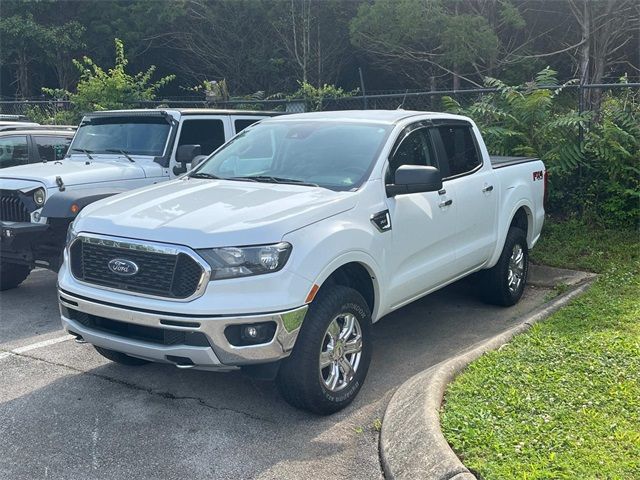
column 122, row 266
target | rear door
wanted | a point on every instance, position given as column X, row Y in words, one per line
column 242, row 122
column 476, row 193
column 421, row 255
column 208, row 131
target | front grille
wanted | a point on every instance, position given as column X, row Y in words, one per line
column 173, row 275
column 12, row 208
column 156, row 335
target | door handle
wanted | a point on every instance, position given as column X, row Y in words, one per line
column 446, row 204
column 488, row 188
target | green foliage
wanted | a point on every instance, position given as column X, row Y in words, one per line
column 315, row 96
column 111, row 89
column 598, row 179
column 561, row 401
column 611, row 180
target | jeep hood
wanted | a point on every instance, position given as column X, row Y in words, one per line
column 74, row 172
column 203, row 213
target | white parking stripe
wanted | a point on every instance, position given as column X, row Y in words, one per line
column 33, row 346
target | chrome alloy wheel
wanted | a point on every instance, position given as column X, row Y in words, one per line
column 515, row 274
column 340, row 352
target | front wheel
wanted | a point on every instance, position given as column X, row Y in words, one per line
column 331, row 357
column 12, row 275
column 504, row 283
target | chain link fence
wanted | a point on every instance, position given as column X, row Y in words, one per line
column 40, row 110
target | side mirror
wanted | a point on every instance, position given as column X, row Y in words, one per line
column 415, row 179
column 197, row 160
column 186, row 153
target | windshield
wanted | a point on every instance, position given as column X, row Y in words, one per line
column 136, row 136
column 334, row 155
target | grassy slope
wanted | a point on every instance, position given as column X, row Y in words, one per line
column 562, row 400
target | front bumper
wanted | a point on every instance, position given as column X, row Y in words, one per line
column 14, row 234
column 220, row 355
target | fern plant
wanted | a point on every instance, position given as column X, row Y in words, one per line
column 527, row 120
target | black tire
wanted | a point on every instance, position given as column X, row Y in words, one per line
column 119, row 357
column 299, row 378
column 495, row 281
column 12, row 275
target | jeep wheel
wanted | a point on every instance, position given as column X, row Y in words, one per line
column 504, row 283
column 12, row 275
column 331, row 357
column 119, row 357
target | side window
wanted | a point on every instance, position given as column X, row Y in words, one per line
column 52, row 148
column 459, row 148
column 13, row 151
column 243, row 123
column 209, row 134
column 415, row 149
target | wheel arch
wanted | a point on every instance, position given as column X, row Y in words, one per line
column 354, row 271
column 521, row 216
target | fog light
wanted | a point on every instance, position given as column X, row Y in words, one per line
column 36, row 216
column 251, row 332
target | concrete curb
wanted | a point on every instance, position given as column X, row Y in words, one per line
column 411, row 443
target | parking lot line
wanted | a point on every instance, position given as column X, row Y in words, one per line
column 33, row 346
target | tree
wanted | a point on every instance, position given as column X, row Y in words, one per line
column 606, row 27
column 427, row 40
column 22, row 38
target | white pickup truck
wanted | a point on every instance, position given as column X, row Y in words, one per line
column 278, row 252
column 112, row 152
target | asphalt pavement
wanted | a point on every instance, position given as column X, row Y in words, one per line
column 65, row 412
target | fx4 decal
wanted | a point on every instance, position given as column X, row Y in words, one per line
column 539, row 175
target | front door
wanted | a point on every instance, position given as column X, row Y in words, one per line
column 420, row 255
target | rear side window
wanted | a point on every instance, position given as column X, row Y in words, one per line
column 460, row 149
column 52, row 148
column 209, row 134
column 13, row 151
column 243, row 123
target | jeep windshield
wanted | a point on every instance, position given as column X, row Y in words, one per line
column 329, row 154
column 133, row 135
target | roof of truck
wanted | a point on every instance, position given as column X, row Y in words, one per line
column 380, row 116
column 39, row 131
column 185, row 111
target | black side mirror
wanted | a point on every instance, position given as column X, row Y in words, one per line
column 186, row 153
column 415, row 179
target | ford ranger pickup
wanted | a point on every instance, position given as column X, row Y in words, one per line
column 278, row 252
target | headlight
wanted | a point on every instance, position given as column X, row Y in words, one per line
column 231, row 262
column 39, row 196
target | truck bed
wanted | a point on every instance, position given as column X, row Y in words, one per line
column 498, row 161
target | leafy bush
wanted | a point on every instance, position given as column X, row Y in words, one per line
column 98, row 89
column 315, row 96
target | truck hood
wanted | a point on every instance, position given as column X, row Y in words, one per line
column 212, row 213
column 75, row 172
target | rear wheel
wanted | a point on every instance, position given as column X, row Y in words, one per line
column 504, row 283
column 12, row 275
column 120, row 357
column 331, row 357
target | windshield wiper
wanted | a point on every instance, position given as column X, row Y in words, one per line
column 203, row 175
column 85, row 151
column 271, row 179
column 121, row 152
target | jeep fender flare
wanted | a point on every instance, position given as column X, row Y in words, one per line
column 60, row 205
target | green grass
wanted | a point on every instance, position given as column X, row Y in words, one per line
column 562, row 400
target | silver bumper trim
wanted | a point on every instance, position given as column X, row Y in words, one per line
column 221, row 354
